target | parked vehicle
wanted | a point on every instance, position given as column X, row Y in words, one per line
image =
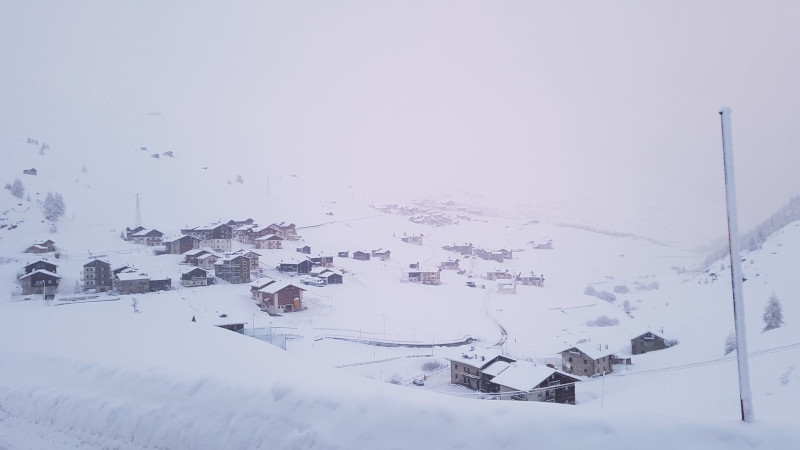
column 312, row 281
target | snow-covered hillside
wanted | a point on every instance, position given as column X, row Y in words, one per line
column 99, row 375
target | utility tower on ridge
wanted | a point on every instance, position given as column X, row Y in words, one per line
column 138, row 221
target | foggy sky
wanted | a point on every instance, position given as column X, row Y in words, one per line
column 611, row 108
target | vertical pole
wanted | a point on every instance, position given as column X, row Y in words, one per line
column 745, row 397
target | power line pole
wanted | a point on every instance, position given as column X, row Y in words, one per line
column 745, row 395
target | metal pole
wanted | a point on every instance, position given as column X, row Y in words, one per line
column 745, row 397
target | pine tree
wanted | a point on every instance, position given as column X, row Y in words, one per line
column 17, row 188
column 54, row 206
column 773, row 313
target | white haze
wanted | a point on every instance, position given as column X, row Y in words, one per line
column 608, row 113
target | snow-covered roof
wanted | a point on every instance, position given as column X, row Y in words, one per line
column 246, row 227
column 192, row 269
column 261, row 282
column 328, row 274
column 591, row 350
column 525, row 376
column 479, row 358
column 209, row 255
column 145, row 232
column 275, row 287
column 659, row 335
column 496, row 368
column 131, row 276
column 41, row 261
column 270, row 237
column 424, row 270
column 41, row 271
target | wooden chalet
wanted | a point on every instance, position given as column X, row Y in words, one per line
column 217, row 236
column 361, row 256
column 259, row 284
column 304, row 249
column 96, row 275
column 528, row 382
column 649, row 342
column 295, row 266
column 281, row 297
column 191, row 256
column 31, row 171
column 469, row 370
column 194, row 276
column 40, row 281
column 329, row 276
column 43, row 247
column 181, row 245
column 40, row 265
column 587, row 360
column 343, row 254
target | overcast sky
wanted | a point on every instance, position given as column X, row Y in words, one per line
column 608, row 104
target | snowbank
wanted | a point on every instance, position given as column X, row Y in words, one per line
column 131, row 381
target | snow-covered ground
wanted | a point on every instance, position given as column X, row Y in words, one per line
column 98, row 375
column 90, row 83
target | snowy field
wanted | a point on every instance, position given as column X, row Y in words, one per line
column 98, row 375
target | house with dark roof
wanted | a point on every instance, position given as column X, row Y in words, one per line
column 97, row 275
column 181, row 245
column 649, row 342
column 218, row 236
column 233, row 269
column 194, row 276
column 43, row 247
column 40, row 281
column 295, row 266
column 40, row 264
column 361, row 256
